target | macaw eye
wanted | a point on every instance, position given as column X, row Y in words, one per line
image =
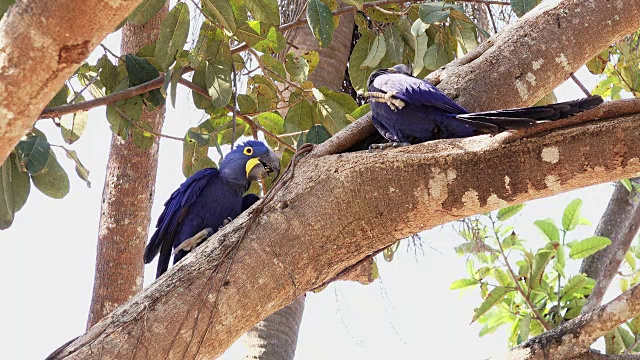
column 248, row 151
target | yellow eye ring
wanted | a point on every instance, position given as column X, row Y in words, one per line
column 248, row 151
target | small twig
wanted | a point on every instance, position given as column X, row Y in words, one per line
column 385, row 11
column 493, row 21
column 134, row 123
column 242, row 117
column 580, row 85
column 534, row 310
column 235, row 104
column 84, row 88
column 294, row 133
column 111, row 52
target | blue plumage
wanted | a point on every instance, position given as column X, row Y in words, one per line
column 411, row 110
column 208, row 198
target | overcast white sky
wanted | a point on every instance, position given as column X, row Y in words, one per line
column 49, row 259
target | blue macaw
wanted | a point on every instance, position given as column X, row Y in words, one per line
column 207, row 200
column 409, row 110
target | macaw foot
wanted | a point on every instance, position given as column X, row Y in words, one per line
column 193, row 241
column 387, row 98
column 225, row 222
column 388, row 145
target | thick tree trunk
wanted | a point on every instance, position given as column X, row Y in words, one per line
column 43, row 42
column 126, row 200
column 276, row 336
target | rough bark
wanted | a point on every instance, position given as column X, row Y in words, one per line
column 575, row 336
column 620, row 223
column 207, row 300
column 43, row 42
column 543, row 48
column 276, row 336
column 126, row 199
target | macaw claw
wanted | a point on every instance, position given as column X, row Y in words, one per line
column 387, row 98
column 193, row 241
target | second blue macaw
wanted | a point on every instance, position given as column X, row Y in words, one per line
column 207, row 200
column 409, row 110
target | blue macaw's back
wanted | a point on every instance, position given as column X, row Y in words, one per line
column 427, row 114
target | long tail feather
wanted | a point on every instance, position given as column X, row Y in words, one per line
column 490, row 121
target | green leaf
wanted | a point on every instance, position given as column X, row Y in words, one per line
column 20, row 182
column 221, row 11
column 342, row 99
column 265, row 11
column 274, row 65
column 262, row 37
column 356, row 3
column 523, row 327
column 634, row 325
column 272, row 122
column 572, row 286
column 463, row 283
column 145, row 11
column 508, row 212
column 54, row 182
column 420, row 44
column 218, row 80
column 436, row 56
column 140, row 71
column 33, row 153
column 313, row 58
column 7, row 196
column 333, row 116
column 493, row 298
column 120, row 115
column 298, row 117
column 627, row 184
column 613, row 342
column 60, row 98
column 361, row 111
column 108, row 73
column 81, row 170
column 548, row 229
column 588, row 246
column 297, row 67
column 503, row 278
column 521, row 7
column 542, row 258
column 357, row 74
column 630, row 260
column 394, row 44
column 246, row 103
column 174, row 31
column 376, row 52
column 317, row 135
column 195, row 155
column 571, row 215
column 431, row 14
column 142, row 137
column 598, row 63
column 320, row 21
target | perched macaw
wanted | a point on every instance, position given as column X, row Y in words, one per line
column 409, row 110
column 207, row 200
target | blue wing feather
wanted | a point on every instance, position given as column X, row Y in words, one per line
column 417, row 92
column 174, row 211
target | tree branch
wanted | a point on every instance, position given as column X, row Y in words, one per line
column 42, row 45
column 440, row 181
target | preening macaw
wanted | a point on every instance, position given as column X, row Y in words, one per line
column 409, row 110
column 207, row 200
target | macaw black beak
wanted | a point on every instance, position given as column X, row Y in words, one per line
column 264, row 166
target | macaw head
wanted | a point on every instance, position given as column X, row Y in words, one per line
column 402, row 69
column 251, row 161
